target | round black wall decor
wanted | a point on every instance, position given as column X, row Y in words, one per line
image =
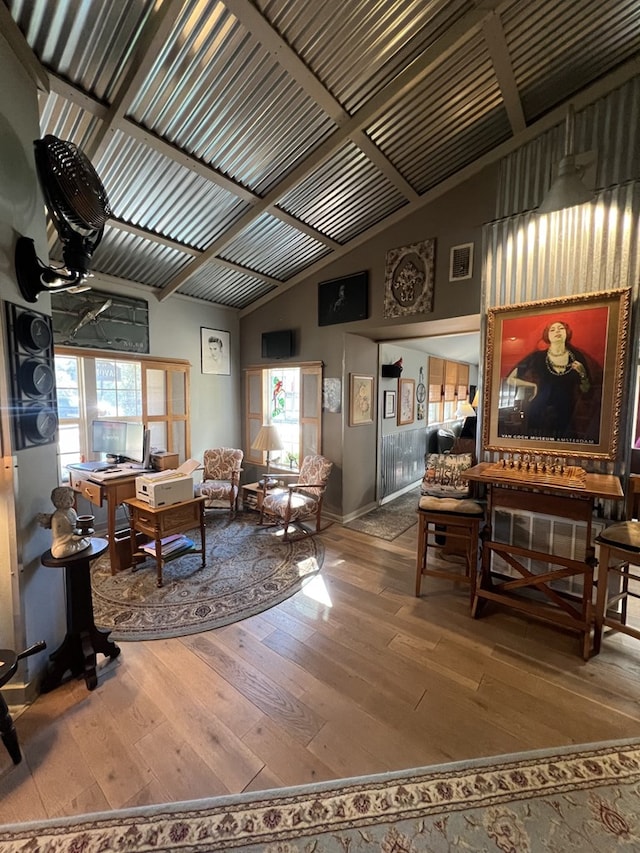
column 34, row 408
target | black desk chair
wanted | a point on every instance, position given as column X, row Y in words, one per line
column 8, row 665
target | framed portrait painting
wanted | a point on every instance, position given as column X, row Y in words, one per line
column 555, row 373
column 214, row 349
column 360, row 400
column 406, row 408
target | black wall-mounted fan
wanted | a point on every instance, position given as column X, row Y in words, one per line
column 79, row 208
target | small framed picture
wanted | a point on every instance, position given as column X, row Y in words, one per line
column 360, row 400
column 214, row 348
column 406, row 412
column 389, row 404
column 332, row 395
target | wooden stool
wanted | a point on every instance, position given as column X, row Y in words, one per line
column 619, row 551
column 445, row 520
column 620, row 544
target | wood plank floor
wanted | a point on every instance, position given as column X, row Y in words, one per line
column 353, row 675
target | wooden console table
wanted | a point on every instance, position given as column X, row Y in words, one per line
column 162, row 521
column 83, row 640
column 569, row 502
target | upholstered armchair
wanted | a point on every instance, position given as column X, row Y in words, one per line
column 299, row 501
column 221, row 478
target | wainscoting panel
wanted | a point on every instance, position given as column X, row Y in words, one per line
column 402, row 460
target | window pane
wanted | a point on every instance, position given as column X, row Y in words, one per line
column 156, row 394
column 107, row 404
column 284, row 386
column 118, row 386
column 158, row 430
column 67, row 387
column 68, row 447
column 178, row 398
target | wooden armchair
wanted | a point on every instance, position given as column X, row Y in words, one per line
column 221, row 478
column 300, row 501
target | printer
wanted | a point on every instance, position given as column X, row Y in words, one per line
column 162, row 488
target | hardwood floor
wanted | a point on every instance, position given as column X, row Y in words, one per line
column 352, row 675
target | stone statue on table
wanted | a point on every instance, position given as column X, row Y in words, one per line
column 63, row 524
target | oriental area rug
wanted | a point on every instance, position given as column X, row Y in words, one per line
column 389, row 520
column 585, row 798
column 248, row 569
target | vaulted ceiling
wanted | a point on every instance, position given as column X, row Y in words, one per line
column 245, row 145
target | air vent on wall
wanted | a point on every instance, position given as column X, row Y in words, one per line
column 461, row 262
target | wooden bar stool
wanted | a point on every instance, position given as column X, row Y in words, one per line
column 619, row 553
column 444, row 522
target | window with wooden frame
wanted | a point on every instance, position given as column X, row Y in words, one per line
column 94, row 385
column 289, row 396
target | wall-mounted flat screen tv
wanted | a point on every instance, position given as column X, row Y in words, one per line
column 277, row 344
column 343, row 300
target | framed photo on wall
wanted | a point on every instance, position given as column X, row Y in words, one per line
column 360, row 400
column 555, row 371
column 406, row 409
column 332, row 395
column 343, row 300
column 214, row 349
column 389, row 404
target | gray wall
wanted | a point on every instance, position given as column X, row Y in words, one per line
column 32, row 598
column 32, row 605
column 174, row 332
column 454, row 218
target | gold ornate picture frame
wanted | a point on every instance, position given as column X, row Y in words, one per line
column 554, row 375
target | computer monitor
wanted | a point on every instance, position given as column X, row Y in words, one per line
column 124, row 441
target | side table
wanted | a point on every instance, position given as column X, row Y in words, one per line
column 252, row 494
column 83, row 640
column 159, row 522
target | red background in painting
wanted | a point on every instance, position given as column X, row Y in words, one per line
column 522, row 335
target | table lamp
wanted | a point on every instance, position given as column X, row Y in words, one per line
column 267, row 440
column 465, row 410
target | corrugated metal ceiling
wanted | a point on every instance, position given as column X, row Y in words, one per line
column 244, row 145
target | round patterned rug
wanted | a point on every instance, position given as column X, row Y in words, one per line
column 248, row 569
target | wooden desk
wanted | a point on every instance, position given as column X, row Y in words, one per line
column 114, row 492
column 158, row 522
column 567, row 502
column 83, row 640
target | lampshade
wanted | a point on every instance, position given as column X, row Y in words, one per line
column 465, row 410
column 267, row 439
column 567, row 189
column 476, row 399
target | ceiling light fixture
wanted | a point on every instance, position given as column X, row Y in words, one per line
column 567, row 189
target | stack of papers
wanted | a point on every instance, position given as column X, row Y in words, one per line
column 185, row 470
column 170, row 546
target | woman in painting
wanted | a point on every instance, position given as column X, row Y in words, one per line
column 557, row 382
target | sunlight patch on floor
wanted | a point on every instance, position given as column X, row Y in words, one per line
column 316, row 589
